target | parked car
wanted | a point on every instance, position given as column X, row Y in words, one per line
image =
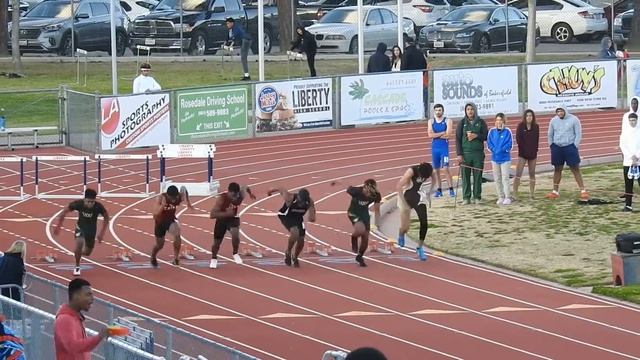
column 563, row 20
column 23, row 9
column 476, row 28
column 47, row 27
column 337, row 31
column 622, row 28
column 619, row 7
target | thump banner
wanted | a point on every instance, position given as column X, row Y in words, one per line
column 633, row 78
column 493, row 90
column 371, row 99
column 291, row 105
column 580, row 85
column 212, row 114
column 135, row 121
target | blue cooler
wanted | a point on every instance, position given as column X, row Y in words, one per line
column 2, row 123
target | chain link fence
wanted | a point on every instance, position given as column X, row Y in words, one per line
column 82, row 112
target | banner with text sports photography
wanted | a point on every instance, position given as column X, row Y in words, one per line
column 292, row 105
column 371, row 99
column 579, row 85
column 493, row 90
column 212, row 114
column 135, row 121
column 633, row 79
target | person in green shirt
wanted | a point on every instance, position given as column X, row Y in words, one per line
column 471, row 134
column 361, row 198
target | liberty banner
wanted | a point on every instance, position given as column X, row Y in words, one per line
column 135, row 121
column 371, row 99
column 580, row 85
column 292, row 105
column 633, row 79
column 212, row 114
column 493, row 90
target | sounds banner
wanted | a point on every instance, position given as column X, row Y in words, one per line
column 579, row 85
column 492, row 90
column 371, row 99
column 292, row 105
column 135, row 121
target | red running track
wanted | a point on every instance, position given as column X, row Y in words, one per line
column 439, row 309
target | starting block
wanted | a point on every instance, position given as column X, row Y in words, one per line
column 121, row 254
column 46, row 255
column 383, row 247
column 186, row 252
column 250, row 250
column 319, row 249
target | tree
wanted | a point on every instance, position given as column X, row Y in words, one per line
column 286, row 11
column 3, row 28
column 531, row 32
column 634, row 37
column 15, row 37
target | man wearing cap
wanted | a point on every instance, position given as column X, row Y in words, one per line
column 145, row 82
column 565, row 133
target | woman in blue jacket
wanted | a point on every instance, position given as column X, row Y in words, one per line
column 500, row 142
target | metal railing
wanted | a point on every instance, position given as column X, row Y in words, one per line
column 10, row 289
column 169, row 341
column 36, row 330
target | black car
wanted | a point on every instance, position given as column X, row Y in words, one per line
column 476, row 28
column 622, row 28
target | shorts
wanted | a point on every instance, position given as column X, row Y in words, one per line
column 366, row 220
column 88, row 236
column 412, row 199
column 290, row 223
column 440, row 156
column 565, row 154
column 223, row 225
column 161, row 229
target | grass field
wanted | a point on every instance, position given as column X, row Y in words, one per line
column 41, row 109
column 556, row 240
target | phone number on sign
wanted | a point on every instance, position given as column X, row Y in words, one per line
column 212, row 112
column 485, row 106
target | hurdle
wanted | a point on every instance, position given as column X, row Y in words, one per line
column 22, row 195
column 36, row 159
column 102, row 157
column 78, row 53
column 189, row 151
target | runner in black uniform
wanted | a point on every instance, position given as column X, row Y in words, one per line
column 291, row 214
column 409, row 197
column 225, row 211
column 165, row 221
column 361, row 198
column 85, row 233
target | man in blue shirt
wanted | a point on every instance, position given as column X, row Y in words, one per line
column 238, row 36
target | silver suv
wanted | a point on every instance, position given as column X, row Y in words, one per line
column 47, row 27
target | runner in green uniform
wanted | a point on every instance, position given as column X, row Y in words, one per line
column 85, row 233
column 361, row 198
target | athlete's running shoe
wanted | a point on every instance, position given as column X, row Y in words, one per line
column 76, row 271
column 452, row 193
column 176, row 262
column 360, row 260
column 438, row 194
column 237, row 259
column 401, row 240
column 421, row 253
column 154, row 262
column 213, row 264
column 287, row 259
column 295, row 263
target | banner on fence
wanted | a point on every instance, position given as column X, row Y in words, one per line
column 212, row 113
column 135, row 121
column 371, row 99
column 633, row 78
column 493, row 90
column 291, row 105
column 578, row 85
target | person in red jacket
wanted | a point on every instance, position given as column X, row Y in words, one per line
column 69, row 336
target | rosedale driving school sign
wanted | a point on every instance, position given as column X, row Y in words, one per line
column 216, row 112
column 290, row 105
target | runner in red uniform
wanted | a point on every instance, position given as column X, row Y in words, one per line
column 164, row 216
column 225, row 211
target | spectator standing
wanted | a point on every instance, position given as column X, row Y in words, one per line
column 396, row 58
column 630, row 146
column 379, row 61
column 471, row 134
column 12, row 270
column 237, row 36
column 306, row 42
column 70, row 338
column 528, row 139
column 145, row 83
column 500, row 142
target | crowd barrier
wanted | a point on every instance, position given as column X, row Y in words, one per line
column 108, row 124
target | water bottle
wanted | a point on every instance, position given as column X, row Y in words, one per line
column 2, row 120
